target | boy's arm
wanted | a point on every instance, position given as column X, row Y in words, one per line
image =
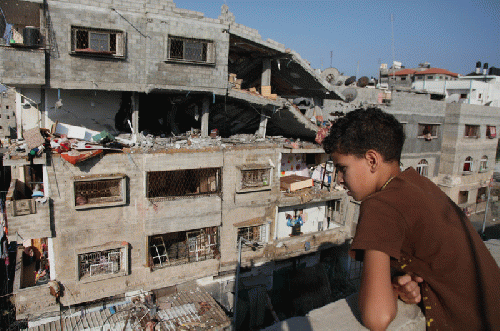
column 377, row 298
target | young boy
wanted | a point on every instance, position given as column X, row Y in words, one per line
column 408, row 224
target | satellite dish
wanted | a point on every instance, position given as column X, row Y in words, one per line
column 454, row 98
column 350, row 94
column 350, row 80
column 363, row 81
column 330, row 75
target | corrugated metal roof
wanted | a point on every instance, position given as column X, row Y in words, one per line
column 179, row 311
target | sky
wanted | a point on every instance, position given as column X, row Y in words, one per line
column 356, row 36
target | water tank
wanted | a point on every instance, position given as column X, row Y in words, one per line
column 31, row 36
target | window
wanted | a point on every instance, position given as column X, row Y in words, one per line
column 99, row 191
column 482, row 195
column 255, row 234
column 403, row 78
column 463, row 96
column 430, row 77
column 419, row 77
column 468, row 164
column 107, row 261
column 428, row 131
column 423, row 168
column 183, row 183
column 190, row 50
column 491, row 131
column 480, row 96
column 483, row 164
column 97, row 42
column 472, row 131
column 333, row 213
column 183, row 247
column 255, row 177
column 463, row 197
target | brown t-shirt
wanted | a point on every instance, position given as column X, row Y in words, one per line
column 425, row 233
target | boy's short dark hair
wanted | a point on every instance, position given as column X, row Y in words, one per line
column 363, row 129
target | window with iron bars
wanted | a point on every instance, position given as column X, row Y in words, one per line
column 255, row 178
column 96, row 264
column 191, row 50
column 255, row 234
column 183, row 183
column 183, row 247
column 472, row 131
column 91, row 192
column 93, row 41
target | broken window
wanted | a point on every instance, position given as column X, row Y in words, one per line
column 100, row 263
column 423, row 168
column 97, row 41
column 472, row 131
column 183, row 183
column 99, row 190
column 190, row 50
column 428, row 131
column 255, row 234
column 468, row 164
column 177, row 248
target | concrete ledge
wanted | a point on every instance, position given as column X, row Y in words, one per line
column 344, row 315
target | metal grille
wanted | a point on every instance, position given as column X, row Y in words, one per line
column 188, row 49
column 183, row 183
column 100, row 263
column 255, row 178
column 98, row 191
column 255, row 234
column 184, row 247
column 94, row 40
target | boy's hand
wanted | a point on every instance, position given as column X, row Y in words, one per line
column 407, row 288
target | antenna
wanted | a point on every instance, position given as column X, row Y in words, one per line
column 331, row 59
column 393, row 52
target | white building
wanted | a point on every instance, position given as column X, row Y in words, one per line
column 475, row 88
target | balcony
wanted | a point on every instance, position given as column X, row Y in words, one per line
column 27, row 216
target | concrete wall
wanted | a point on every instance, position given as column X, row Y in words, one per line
column 456, row 148
column 146, row 27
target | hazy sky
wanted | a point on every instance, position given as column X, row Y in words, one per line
column 449, row 34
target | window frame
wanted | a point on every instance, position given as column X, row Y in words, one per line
column 423, row 168
column 472, row 131
column 468, row 161
column 254, row 167
column 209, row 51
column 209, row 192
column 213, row 233
column 483, row 164
column 94, row 178
column 434, row 130
column 263, row 230
column 122, row 247
column 491, row 131
column 120, row 42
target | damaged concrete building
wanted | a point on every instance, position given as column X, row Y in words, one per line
column 151, row 141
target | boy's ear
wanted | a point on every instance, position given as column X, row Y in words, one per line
column 373, row 159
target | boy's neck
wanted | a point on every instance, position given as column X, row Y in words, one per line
column 389, row 170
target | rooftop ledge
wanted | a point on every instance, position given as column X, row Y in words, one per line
column 344, row 314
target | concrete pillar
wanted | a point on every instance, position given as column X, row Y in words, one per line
column 265, row 81
column 204, row 116
column 135, row 112
column 266, row 73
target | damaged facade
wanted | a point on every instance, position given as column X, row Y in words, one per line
column 153, row 139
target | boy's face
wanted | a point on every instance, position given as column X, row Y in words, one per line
column 354, row 173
